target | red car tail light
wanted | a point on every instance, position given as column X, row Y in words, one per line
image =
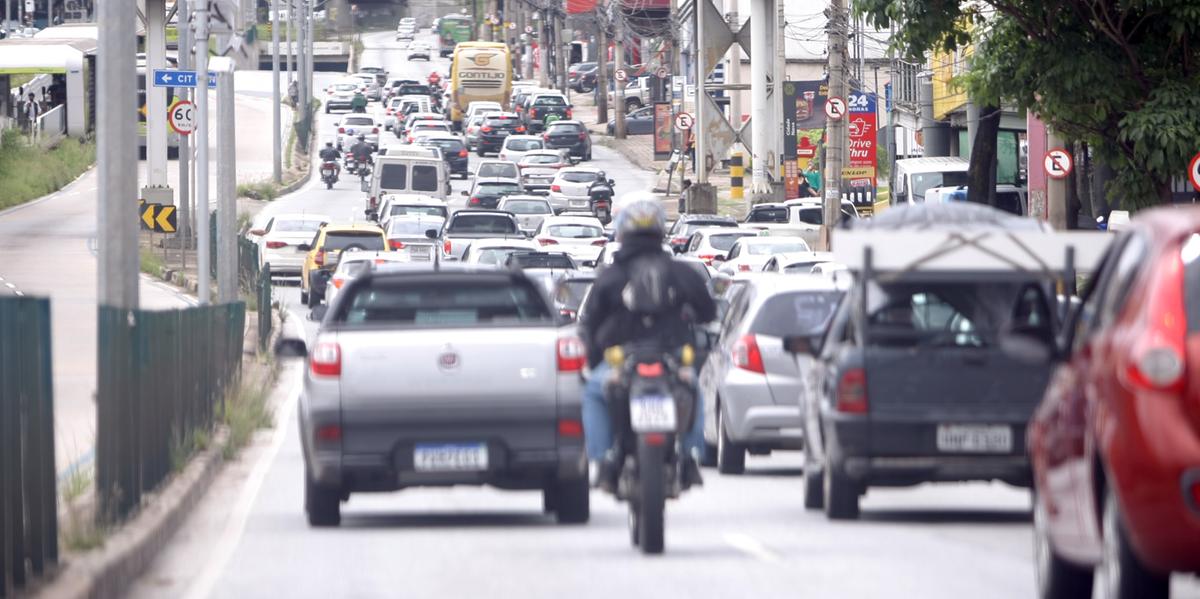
column 533, row 113
column 520, row 129
column 547, row 241
column 475, row 201
column 545, row 137
column 747, row 356
column 571, row 355
column 582, row 136
column 852, row 392
column 274, row 245
column 326, row 359
column 678, row 240
column 396, row 244
column 600, row 242
column 341, row 129
column 462, row 153
column 375, row 130
column 707, row 258
column 329, row 433
column 338, row 282
column 1157, row 359
column 568, row 427
column 485, row 129
column 568, row 113
column 743, row 268
column 447, row 248
column 557, row 188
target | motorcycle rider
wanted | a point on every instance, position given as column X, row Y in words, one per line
column 609, row 320
column 359, row 102
column 331, row 154
column 361, row 151
column 601, row 185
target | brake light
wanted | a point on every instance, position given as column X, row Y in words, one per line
column 557, row 188
column 600, row 242
column 1157, row 359
column 320, row 258
column 372, row 203
column 744, row 268
column 569, row 313
column 375, row 130
column 326, row 359
column 486, row 129
column 274, row 245
column 707, row 258
column 329, row 433
column 547, row 241
column 747, row 356
column 546, row 137
column 396, row 244
column 571, row 355
column 678, row 240
column 341, row 129
column 338, row 282
column 533, row 113
column 650, row 371
column 520, row 129
column 570, row 428
column 475, row 201
column 583, row 136
column 446, row 247
column 462, row 153
column 852, row 392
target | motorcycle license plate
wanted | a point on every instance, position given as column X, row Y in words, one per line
column 652, row 414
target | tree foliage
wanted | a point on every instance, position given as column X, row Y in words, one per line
column 1121, row 75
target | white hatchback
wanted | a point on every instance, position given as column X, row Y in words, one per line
column 515, row 147
column 580, row 236
column 279, row 239
column 569, row 189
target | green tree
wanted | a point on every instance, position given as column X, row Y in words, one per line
column 1121, row 75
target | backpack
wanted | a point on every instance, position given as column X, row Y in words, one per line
column 649, row 291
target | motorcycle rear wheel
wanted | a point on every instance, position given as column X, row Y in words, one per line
column 652, row 496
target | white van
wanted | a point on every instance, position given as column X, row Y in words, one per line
column 915, row 176
column 407, row 173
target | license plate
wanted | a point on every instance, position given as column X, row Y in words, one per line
column 419, row 252
column 450, row 457
column 502, row 133
column 652, row 414
column 972, row 438
column 579, row 203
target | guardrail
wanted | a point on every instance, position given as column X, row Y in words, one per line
column 162, row 375
column 28, row 498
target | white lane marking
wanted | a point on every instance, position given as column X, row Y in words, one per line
column 752, row 547
column 10, row 285
column 236, row 525
column 19, row 293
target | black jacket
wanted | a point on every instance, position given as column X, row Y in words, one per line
column 361, row 151
column 607, row 322
column 330, row 154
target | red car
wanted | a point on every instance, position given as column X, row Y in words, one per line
column 1115, row 444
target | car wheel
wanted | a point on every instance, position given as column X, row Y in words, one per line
column 303, row 296
column 840, row 493
column 1056, row 577
column 322, row 504
column 708, row 457
column 731, row 457
column 1122, row 573
column 314, row 300
column 570, row 499
column 814, row 492
column 479, row 151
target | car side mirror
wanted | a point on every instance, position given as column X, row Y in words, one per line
column 464, row 193
column 1030, row 345
column 290, row 347
column 258, row 232
column 304, row 247
column 809, row 345
column 431, row 233
column 611, row 182
column 718, row 258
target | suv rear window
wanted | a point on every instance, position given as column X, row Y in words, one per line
column 500, row 121
column 497, row 169
column 550, row 101
column 367, row 240
column 441, row 303
column 482, row 223
column 796, row 313
column 497, row 188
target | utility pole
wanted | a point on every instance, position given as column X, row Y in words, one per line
column 276, row 117
column 602, row 69
column 559, row 52
column 527, row 61
column 619, row 60
column 184, row 233
column 202, row 231
column 835, row 147
column 291, row 16
column 302, row 64
column 227, row 276
column 543, row 50
column 116, row 151
column 700, row 126
column 156, row 97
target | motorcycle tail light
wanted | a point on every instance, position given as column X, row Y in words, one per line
column 326, row 360
column 274, row 245
column 747, row 356
column 571, row 355
column 852, row 392
column 650, row 371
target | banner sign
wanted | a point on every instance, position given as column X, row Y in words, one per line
column 863, row 129
column 663, row 130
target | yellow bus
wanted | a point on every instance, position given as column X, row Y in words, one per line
column 479, row 71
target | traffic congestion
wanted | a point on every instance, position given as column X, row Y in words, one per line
column 513, row 365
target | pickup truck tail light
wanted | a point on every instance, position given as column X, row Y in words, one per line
column 852, row 392
column 274, row 245
column 326, row 359
column 1157, row 360
column 557, row 188
column 396, row 244
column 447, row 247
column 571, row 355
column 747, row 356
column 547, row 241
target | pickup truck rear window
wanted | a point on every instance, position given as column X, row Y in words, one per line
column 797, row 313
column 368, row 240
column 814, row 215
column 1191, row 281
column 768, row 215
column 951, row 315
column 453, row 302
column 482, row 223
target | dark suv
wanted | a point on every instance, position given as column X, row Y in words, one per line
column 454, row 152
column 496, row 127
column 540, row 107
column 576, row 74
column 571, row 136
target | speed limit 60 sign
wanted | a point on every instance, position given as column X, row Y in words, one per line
column 182, row 117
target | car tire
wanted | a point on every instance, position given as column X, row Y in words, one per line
column 570, row 500
column 1056, row 577
column 814, row 480
column 1122, row 573
column 313, row 300
column 479, row 151
column 731, row 457
column 322, row 505
column 708, row 457
column 588, row 157
column 839, row 493
column 303, row 296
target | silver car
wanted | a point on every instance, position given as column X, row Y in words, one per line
column 749, row 384
column 496, row 400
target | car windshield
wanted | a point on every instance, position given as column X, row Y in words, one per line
column 482, row 223
column 578, row 177
column 497, row 188
column 367, row 240
column 540, row 159
column 724, row 241
column 404, row 209
column 550, row 101
column 576, row 231
column 497, row 169
column 522, row 145
column 923, row 182
column 796, row 313
column 414, row 226
column 527, row 207
column 454, row 301
column 449, row 146
column 295, row 226
column 769, row 249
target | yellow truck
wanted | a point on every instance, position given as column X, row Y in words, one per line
column 479, row 71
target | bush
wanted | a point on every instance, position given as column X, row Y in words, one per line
column 28, row 171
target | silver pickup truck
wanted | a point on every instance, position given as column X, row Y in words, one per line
column 437, row 377
column 466, row 226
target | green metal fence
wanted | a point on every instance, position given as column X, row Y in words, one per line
column 256, row 283
column 162, row 376
column 28, row 498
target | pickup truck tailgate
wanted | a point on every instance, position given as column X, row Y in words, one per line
column 499, row 383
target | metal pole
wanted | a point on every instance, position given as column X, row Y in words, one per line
column 700, row 127
column 308, row 56
column 619, row 64
column 835, row 146
column 276, row 116
column 602, row 69
column 202, row 216
column 156, row 97
column 227, row 276
column 761, row 111
column 301, row 62
column 543, row 51
column 291, row 16
column 184, row 234
column 7, row 14
column 116, row 151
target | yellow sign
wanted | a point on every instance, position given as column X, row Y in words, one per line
column 858, row 172
column 159, row 218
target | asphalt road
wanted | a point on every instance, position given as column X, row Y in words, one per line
column 738, row 536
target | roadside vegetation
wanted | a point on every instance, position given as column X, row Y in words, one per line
column 28, row 171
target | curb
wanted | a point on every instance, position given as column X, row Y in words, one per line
column 110, row 570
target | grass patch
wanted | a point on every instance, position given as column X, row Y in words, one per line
column 28, row 171
column 246, row 409
column 184, row 446
column 152, row 262
column 80, row 531
column 259, row 190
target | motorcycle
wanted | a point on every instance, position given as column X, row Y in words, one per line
column 600, row 201
column 351, row 165
column 364, row 171
column 329, row 173
column 651, row 406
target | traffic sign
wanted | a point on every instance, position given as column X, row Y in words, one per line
column 662, row 72
column 1058, row 164
column 178, row 78
column 182, row 117
column 1194, row 171
column 159, row 218
column 621, row 75
column 529, row 29
column 684, row 121
column 835, row 108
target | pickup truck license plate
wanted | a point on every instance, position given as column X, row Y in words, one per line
column 972, row 438
column 652, row 414
column 450, row 457
column 419, row 252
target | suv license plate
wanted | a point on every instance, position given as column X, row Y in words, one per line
column 972, row 438
column 652, row 414
column 450, row 457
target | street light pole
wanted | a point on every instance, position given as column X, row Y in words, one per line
column 116, row 151
column 202, row 231
column 276, row 117
column 185, row 149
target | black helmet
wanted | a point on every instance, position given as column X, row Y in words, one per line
column 362, row 138
column 329, row 144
